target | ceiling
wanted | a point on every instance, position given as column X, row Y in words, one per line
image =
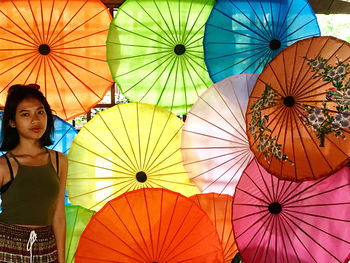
column 319, row 6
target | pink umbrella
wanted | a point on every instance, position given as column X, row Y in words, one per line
column 214, row 144
column 283, row 221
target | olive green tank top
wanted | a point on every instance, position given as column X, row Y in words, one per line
column 30, row 197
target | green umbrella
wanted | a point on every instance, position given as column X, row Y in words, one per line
column 155, row 51
column 77, row 219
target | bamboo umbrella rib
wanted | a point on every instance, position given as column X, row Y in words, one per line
column 269, row 234
column 49, row 25
column 149, row 257
column 170, row 59
column 54, row 41
column 270, row 197
column 165, row 22
column 194, row 86
column 76, row 77
column 163, row 253
column 197, row 65
column 316, row 205
column 256, row 33
column 257, row 50
column 36, row 23
column 139, row 45
column 279, row 82
column 32, row 43
column 138, row 135
column 81, row 67
column 42, row 20
column 264, row 58
column 285, row 137
column 149, row 225
column 172, row 22
column 49, row 37
column 189, row 45
column 78, row 56
column 170, row 74
column 166, row 52
column 236, row 43
column 291, row 211
column 283, row 241
column 185, row 87
column 149, row 137
column 214, row 157
column 144, row 257
column 295, row 31
column 317, row 243
column 56, row 46
column 187, row 38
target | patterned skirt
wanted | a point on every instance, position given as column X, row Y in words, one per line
column 26, row 245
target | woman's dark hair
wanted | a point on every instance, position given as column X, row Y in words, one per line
column 16, row 94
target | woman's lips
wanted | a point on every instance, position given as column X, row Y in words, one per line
column 36, row 130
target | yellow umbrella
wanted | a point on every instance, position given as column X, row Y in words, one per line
column 124, row 148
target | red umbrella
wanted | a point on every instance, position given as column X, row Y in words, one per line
column 283, row 221
column 150, row 225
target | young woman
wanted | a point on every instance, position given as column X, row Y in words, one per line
column 32, row 181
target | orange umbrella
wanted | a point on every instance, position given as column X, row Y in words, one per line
column 150, row 225
column 219, row 209
column 59, row 45
column 298, row 112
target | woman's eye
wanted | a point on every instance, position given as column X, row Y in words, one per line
column 25, row 114
column 41, row 112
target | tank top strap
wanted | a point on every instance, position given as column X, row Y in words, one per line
column 56, row 155
column 14, row 158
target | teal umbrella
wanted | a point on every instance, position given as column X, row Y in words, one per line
column 155, row 52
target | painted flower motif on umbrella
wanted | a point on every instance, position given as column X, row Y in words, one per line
column 59, row 45
column 277, row 221
column 155, row 52
column 298, row 111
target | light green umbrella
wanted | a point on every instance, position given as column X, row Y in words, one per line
column 155, row 51
column 77, row 219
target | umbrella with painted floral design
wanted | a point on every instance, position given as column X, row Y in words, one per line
column 298, row 112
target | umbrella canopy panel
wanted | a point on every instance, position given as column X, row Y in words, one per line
column 219, row 208
column 155, row 52
column 298, row 113
column 126, row 147
column 59, row 45
column 283, row 221
column 77, row 219
column 150, row 225
column 214, row 143
column 243, row 36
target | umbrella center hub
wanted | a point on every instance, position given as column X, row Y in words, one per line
column 289, row 101
column 179, row 49
column 141, row 177
column 275, row 208
column 44, row 49
column 275, row 44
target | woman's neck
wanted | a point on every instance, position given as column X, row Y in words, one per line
column 26, row 147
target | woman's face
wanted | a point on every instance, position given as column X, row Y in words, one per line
column 30, row 119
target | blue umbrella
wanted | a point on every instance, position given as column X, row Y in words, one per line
column 242, row 36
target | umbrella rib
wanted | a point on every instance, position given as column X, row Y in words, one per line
column 184, row 83
column 58, row 20
column 169, row 224
column 148, row 63
column 318, row 216
column 317, row 195
column 59, row 95
column 127, row 135
column 290, row 241
column 56, row 142
column 187, row 38
column 76, row 77
column 149, row 136
column 79, row 38
column 213, row 168
column 35, row 22
column 149, row 225
column 177, row 35
column 133, row 169
column 108, row 247
column 152, row 165
column 52, row 40
column 32, row 44
column 194, row 84
column 304, row 24
column 149, row 73
column 269, row 234
column 46, row 38
column 171, row 39
column 247, row 160
column 144, row 256
column 186, row 23
column 282, row 33
column 189, row 57
column 242, row 140
column 134, row 45
column 248, row 51
column 270, row 197
column 284, row 20
column 138, row 134
column 158, row 182
column 105, row 158
column 314, row 205
column 31, row 71
column 262, row 37
column 279, row 82
column 37, row 41
column 83, row 68
column 311, row 236
column 254, row 196
column 302, row 143
column 42, row 21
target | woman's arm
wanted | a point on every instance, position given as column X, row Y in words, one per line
column 59, row 217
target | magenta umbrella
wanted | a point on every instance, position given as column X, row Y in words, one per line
column 283, row 221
